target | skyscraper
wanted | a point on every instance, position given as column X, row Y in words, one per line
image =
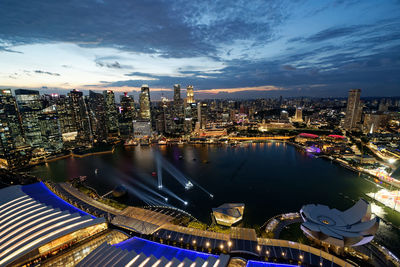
column 144, row 101
column 111, row 114
column 80, row 117
column 298, row 117
column 97, row 116
column 29, row 106
column 50, row 129
column 13, row 150
column 177, row 92
column 189, row 94
column 353, row 110
column 127, row 115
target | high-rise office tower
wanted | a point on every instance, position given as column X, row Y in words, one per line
column 144, row 101
column 97, row 115
column 127, row 115
column 189, row 94
column 29, row 106
column 80, row 117
column 298, row 117
column 13, row 150
column 111, row 114
column 177, row 92
column 50, row 129
column 353, row 110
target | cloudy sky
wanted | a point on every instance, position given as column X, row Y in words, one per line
column 243, row 49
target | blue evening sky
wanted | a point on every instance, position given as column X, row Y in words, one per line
column 238, row 49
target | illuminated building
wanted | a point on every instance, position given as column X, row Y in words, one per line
column 97, row 116
column 65, row 117
column 374, row 122
column 13, row 150
column 50, row 129
column 80, row 118
column 177, row 119
column 111, row 114
column 141, row 129
column 127, row 115
column 144, row 101
column 202, row 114
column 228, row 213
column 353, row 110
column 352, row 227
column 177, row 92
column 141, row 252
column 35, row 224
column 29, row 106
column 189, row 94
column 306, row 137
column 298, row 117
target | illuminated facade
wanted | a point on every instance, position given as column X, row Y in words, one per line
column 36, row 223
column 189, row 94
column 352, row 227
column 97, row 116
column 141, row 252
column 228, row 213
column 80, row 117
column 127, row 115
column 29, row 106
column 111, row 114
column 13, row 150
column 353, row 110
column 144, row 101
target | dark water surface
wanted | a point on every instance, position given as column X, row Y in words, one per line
column 269, row 178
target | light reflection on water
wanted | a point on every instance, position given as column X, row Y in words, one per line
column 270, row 178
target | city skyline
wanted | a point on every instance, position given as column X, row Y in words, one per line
column 241, row 50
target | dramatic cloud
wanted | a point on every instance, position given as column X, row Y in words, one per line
column 297, row 46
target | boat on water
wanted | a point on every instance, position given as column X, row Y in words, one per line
column 130, row 142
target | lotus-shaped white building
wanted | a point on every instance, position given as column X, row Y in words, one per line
column 353, row 227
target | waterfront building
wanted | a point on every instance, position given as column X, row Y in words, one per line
column 50, row 129
column 228, row 213
column 65, row 117
column 352, row 227
column 144, row 101
column 111, row 114
column 189, row 94
column 202, row 114
column 97, row 116
column 127, row 113
column 13, row 150
column 37, row 224
column 353, row 110
column 80, row 118
column 29, row 106
column 140, row 252
column 141, row 129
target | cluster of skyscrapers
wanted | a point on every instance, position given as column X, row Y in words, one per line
column 34, row 126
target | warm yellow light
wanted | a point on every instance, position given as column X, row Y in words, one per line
column 229, row 244
column 207, row 244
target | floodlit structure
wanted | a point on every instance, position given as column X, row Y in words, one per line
column 352, row 227
column 141, row 252
column 35, row 223
column 228, row 213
